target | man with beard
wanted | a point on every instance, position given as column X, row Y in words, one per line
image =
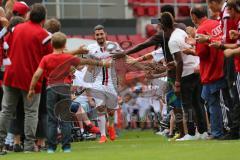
column 105, row 79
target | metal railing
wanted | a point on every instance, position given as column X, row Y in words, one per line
column 61, row 12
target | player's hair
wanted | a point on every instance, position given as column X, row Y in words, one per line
column 166, row 20
column 59, row 40
column 37, row 13
column 52, row 25
column 199, row 11
column 168, row 8
column 98, row 27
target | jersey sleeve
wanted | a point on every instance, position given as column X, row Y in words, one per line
column 174, row 46
column 75, row 61
column 46, row 43
column 43, row 63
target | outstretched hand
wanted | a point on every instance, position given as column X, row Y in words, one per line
column 191, row 41
column 82, row 50
column 228, row 52
column 118, row 55
column 202, row 38
column 4, row 21
column 233, row 34
column 215, row 44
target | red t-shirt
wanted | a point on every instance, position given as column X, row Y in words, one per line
column 211, row 59
column 237, row 57
column 227, row 24
column 29, row 43
column 57, row 67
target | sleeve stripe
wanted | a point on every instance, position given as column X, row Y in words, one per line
column 47, row 39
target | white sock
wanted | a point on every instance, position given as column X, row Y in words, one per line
column 82, row 130
column 102, row 124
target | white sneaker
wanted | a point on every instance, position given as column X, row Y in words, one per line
column 204, row 136
column 163, row 133
column 187, row 137
column 160, row 133
column 198, row 136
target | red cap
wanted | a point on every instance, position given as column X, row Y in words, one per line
column 20, row 7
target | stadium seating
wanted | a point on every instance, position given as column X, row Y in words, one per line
column 142, row 8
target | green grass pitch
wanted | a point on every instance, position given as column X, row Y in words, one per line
column 140, row 145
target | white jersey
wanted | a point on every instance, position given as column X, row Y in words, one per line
column 105, row 78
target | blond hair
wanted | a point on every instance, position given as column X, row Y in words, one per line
column 59, row 40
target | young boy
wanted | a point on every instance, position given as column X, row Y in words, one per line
column 57, row 67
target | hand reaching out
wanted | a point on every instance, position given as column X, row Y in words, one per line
column 4, row 21
column 215, row 44
column 233, row 34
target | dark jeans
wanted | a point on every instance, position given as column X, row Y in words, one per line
column 211, row 94
column 42, row 114
column 54, row 95
column 235, row 114
column 192, row 105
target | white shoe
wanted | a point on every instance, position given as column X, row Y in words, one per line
column 187, row 137
column 163, row 133
column 160, row 133
column 204, row 136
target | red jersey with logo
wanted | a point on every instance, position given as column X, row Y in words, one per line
column 211, row 59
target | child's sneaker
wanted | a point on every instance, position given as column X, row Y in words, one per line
column 50, row 150
column 67, row 150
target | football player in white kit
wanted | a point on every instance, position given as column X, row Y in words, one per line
column 105, row 81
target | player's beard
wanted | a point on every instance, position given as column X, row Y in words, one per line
column 101, row 41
